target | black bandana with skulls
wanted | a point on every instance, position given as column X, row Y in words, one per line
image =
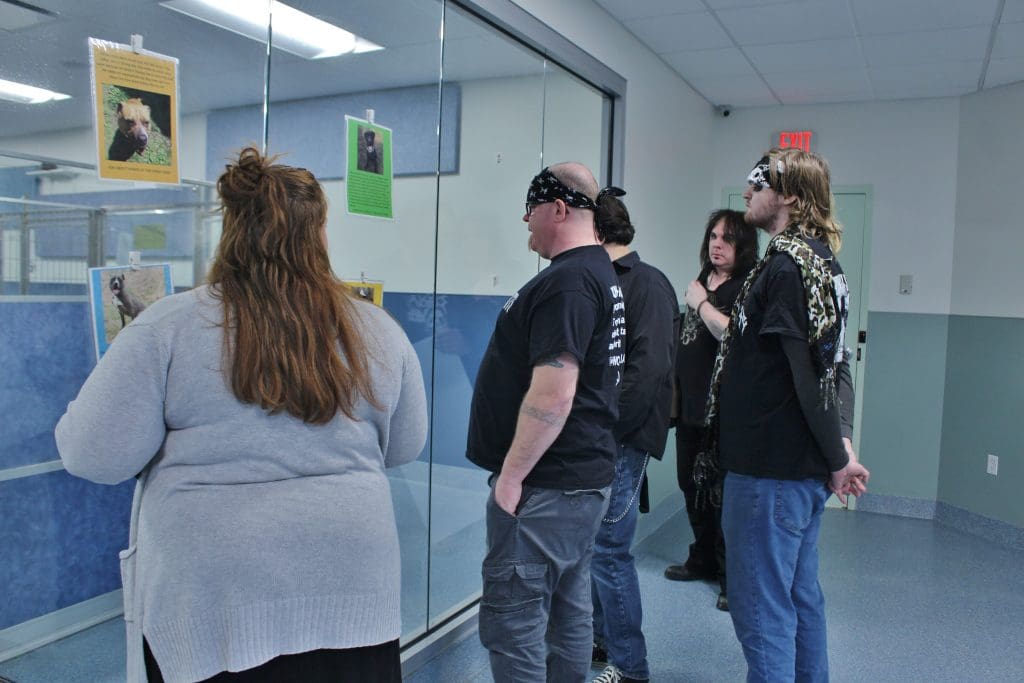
column 546, row 188
column 761, row 177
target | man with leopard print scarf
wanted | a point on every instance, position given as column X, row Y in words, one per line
column 777, row 403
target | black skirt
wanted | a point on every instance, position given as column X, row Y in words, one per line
column 374, row 664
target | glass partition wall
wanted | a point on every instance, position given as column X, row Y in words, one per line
column 473, row 114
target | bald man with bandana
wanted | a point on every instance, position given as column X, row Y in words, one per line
column 541, row 420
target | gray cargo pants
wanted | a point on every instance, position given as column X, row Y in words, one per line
column 535, row 613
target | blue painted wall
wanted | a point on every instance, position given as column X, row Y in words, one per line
column 46, row 353
column 60, row 538
column 313, row 131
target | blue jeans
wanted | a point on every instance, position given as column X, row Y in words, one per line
column 615, row 586
column 777, row 607
column 535, row 613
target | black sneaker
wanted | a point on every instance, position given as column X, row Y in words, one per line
column 612, row 674
column 598, row 656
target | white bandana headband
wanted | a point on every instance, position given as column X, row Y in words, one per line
column 760, row 177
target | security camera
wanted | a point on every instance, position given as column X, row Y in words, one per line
column 723, row 110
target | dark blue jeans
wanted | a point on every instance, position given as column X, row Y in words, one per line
column 777, row 607
column 535, row 613
column 616, row 589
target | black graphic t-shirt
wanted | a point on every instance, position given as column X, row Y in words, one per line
column 762, row 429
column 573, row 306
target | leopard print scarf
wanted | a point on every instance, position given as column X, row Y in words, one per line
column 826, row 319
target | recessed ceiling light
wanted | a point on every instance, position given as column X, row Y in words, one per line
column 296, row 32
column 27, row 94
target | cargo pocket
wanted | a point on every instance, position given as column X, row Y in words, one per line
column 128, row 558
column 512, row 605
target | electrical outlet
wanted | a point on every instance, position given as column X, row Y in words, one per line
column 993, row 464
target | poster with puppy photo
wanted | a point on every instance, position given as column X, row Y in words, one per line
column 367, row 290
column 119, row 294
column 368, row 175
column 135, row 113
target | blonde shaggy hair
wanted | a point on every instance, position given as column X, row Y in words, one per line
column 806, row 177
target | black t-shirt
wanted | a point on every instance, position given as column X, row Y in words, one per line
column 697, row 348
column 762, row 429
column 573, row 306
column 652, row 326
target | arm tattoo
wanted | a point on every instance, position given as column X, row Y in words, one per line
column 555, row 363
column 546, row 416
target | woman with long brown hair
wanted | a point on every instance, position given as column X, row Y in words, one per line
column 259, row 413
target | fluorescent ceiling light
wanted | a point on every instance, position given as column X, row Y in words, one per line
column 27, row 94
column 293, row 31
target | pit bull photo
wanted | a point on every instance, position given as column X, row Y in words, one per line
column 127, row 303
column 132, row 135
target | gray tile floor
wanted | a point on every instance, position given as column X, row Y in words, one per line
column 908, row 600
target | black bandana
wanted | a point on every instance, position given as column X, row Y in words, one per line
column 761, row 177
column 546, row 188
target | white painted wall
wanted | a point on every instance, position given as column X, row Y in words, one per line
column 669, row 147
column 989, row 231
column 905, row 150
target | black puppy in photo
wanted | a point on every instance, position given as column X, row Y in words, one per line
column 371, row 153
column 127, row 304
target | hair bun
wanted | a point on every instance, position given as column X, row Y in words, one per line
column 240, row 180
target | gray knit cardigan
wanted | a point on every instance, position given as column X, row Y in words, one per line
column 253, row 535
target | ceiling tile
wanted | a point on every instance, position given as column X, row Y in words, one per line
column 736, row 91
column 625, row 10
column 1009, row 41
column 733, row 4
column 704, row 64
column 815, row 54
column 794, row 21
column 831, row 85
column 918, row 76
column 1004, row 71
column 1013, row 11
column 917, row 93
column 926, row 47
column 680, row 32
column 898, row 16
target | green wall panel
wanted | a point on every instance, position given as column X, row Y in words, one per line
column 983, row 412
column 902, row 403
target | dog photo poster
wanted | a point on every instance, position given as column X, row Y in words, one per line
column 370, row 290
column 135, row 113
column 118, row 294
column 368, row 176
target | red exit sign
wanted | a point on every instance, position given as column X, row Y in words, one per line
column 801, row 139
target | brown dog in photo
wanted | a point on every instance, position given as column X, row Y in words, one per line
column 132, row 130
